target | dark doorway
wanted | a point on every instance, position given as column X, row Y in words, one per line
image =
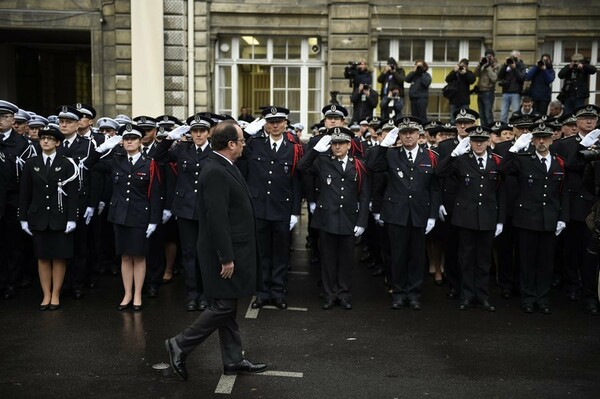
column 51, row 68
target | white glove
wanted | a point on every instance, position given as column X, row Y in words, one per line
column 323, row 144
column 358, row 231
column 25, row 228
column 87, row 215
column 442, row 213
column 430, row 225
column 499, row 228
column 101, row 206
column 521, row 143
column 590, row 138
column 378, row 220
column 166, row 216
column 312, row 206
column 462, row 147
column 390, row 139
column 255, row 126
column 151, row 228
column 109, row 144
column 293, row 221
column 70, row 227
column 560, row 226
column 176, row 134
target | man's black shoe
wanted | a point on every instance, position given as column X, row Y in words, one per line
column 345, row 304
column 485, row 305
column 544, row 309
column 527, row 308
column 259, row 303
column 328, row 304
column 244, row 366
column 506, row 294
column 176, row 358
column 191, row 305
column 464, row 305
column 9, row 293
column 572, row 296
column 279, row 303
column 415, row 304
column 592, row 309
column 77, row 293
column 202, row 306
column 399, row 303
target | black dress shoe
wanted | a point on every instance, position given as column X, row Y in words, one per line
column 54, row 306
column 527, row 308
column 345, row 304
column 137, row 308
column 152, row 292
column 485, row 305
column 202, row 306
column 280, row 303
column 414, row 304
column 506, row 294
column 592, row 309
column 125, row 306
column 191, row 305
column 464, row 305
column 44, row 307
column 544, row 309
column 259, row 303
column 328, row 304
column 378, row 272
column 176, row 358
column 10, row 292
column 244, row 366
column 452, row 294
column 399, row 303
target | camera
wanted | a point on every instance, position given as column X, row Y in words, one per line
column 589, row 155
column 366, row 87
column 350, row 71
column 510, row 61
column 541, row 63
column 483, row 61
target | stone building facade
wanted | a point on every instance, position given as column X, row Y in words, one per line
column 224, row 54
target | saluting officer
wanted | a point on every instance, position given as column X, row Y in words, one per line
column 410, row 206
column 48, row 212
column 540, row 212
column 341, row 211
column 478, row 214
column 274, row 184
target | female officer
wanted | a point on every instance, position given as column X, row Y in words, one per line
column 48, row 210
column 135, row 209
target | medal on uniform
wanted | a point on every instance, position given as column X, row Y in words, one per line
column 530, row 181
column 285, row 169
column 328, row 180
column 36, row 168
column 400, row 174
column 467, row 181
column 57, row 168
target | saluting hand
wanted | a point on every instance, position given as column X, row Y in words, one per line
column 462, row 147
column 227, row 269
column 323, row 144
column 390, row 138
column 590, row 138
column 521, row 143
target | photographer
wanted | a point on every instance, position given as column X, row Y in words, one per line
column 365, row 99
column 360, row 77
column 464, row 78
column 541, row 77
column 511, row 77
column 392, row 92
column 576, row 87
column 418, row 92
column 487, row 72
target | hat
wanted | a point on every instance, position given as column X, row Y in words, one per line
column 168, row 121
column 298, row 126
column 567, row 119
column 479, row 133
column 108, row 123
column 391, row 61
column 86, row 110
column 51, row 131
column 354, row 127
column 499, row 127
column 131, row 129
column 541, row 130
column 38, row 121
column 8, row 108
column 335, row 110
column 68, row 112
column 429, row 125
column 22, row 116
column 145, row 122
column 408, row 123
column 122, row 119
column 584, row 110
column 53, row 119
column 200, row 121
column 275, row 113
column 465, row 114
column 340, row 134
column 374, row 121
column 554, row 123
column 388, row 124
column 363, row 122
column 522, row 121
column 577, row 57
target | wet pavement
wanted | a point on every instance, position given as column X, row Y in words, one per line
column 89, row 349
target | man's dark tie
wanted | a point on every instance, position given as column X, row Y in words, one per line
column 48, row 163
column 274, row 149
column 131, row 160
column 410, row 158
column 67, row 144
column 341, row 164
column 145, row 151
column 480, row 163
column 544, row 163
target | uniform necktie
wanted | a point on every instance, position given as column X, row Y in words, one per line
column 145, row 151
column 480, row 163
column 67, row 144
column 410, row 158
column 342, row 164
column 544, row 163
column 274, row 149
column 48, row 163
column 131, row 160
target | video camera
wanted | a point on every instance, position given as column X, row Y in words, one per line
column 350, row 72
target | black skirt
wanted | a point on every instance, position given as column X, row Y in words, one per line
column 130, row 241
column 51, row 244
column 171, row 231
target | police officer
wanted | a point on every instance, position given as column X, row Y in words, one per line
column 540, row 212
column 410, row 207
column 86, row 122
column 479, row 212
column 273, row 180
column 342, row 210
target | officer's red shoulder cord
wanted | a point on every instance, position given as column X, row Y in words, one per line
column 360, row 170
column 298, row 152
column 153, row 171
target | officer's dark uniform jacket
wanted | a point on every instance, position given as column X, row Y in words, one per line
column 39, row 202
column 412, row 193
column 448, row 185
column 83, row 152
column 543, row 199
column 136, row 198
column 343, row 202
column 580, row 199
column 13, row 148
column 480, row 201
column 273, row 181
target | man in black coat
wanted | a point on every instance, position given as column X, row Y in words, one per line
column 479, row 212
column 229, row 252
